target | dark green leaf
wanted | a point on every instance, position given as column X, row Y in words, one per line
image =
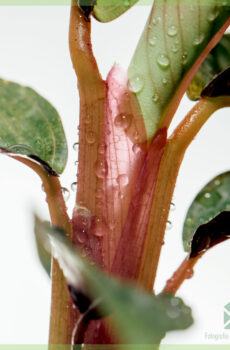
column 44, row 255
column 211, row 200
column 107, row 10
column 140, row 317
column 30, row 125
column 219, row 86
column 175, row 36
column 217, row 61
column 213, row 232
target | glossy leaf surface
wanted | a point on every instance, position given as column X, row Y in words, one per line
column 140, row 317
column 107, row 10
column 211, row 200
column 29, row 125
column 217, row 61
column 177, row 37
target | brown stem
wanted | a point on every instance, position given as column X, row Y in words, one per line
column 184, row 272
column 170, row 164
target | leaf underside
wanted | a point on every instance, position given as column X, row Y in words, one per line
column 108, row 10
column 176, row 35
column 140, row 318
column 211, row 200
column 217, row 61
column 29, row 125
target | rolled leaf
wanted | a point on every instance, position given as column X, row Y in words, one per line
column 177, row 37
column 29, row 125
column 217, row 61
column 107, row 10
column 140, row 318
column 211, row 200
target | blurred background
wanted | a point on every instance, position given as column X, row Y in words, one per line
column 34, row 52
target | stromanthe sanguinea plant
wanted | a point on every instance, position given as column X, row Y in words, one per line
column 105, row 257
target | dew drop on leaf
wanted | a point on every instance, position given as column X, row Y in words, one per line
column 123, row 121
column 90, row 137
column 82, row 236
column 172, row 31
column 101, row 168
column 163, row 61
column 172, row 206
column 122, row 180
column 198, row 40
column 136, row 83
column 155, row 97
column 152, row 40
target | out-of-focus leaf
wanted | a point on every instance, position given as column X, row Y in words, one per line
column 29, row 125
column 174, row 39
column 211, row 200
column 217, row 61
column 219, row 86
column 107, row 10
column 213, row 232
column 45, row 256
column 140, row 317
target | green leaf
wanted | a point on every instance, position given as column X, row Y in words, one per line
column 211, row 200
column 217, row 61
column 175, row 37
column 30, row 125
column 140, row 317
column 107, row 10
column 44, row 256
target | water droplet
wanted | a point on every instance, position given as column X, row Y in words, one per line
column 189, row 273
column 155, row 97
column 75, row 146
column 207, row 195
column 74, row 186
column 173, row 312
column 23, row 149
column 184, row 58
column 136, row 148
column 82, row 236
column 101, row 148
column 189, row 221
column 123, row 120
column 154, row 21
column 152, row 40
column 175, row 48
column 90, row 137
column 175, row 301
column 164, row 81
column 213, row 15
column 217, row 182
column 101, row 168
column 87, row 119
column 162, row 242
column 168, row 225
column 82, row 219
column 163, row 61
column 65, row 193
column 100, row 227
column 172, row 31
column 76, row 163
column 172, row 206
column 122, row 180
column 43, row 187
column 136, row 83
column 198, row 40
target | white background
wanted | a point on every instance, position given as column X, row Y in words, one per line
column 34, row 52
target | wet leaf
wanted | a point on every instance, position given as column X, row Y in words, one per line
column 140, row 317
column 219, row 86
column 217, row 61
column 211, row 200
column 44, row 256
column 107, row 10
column 175, row 40
column 213, row 232
column 29, row 125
